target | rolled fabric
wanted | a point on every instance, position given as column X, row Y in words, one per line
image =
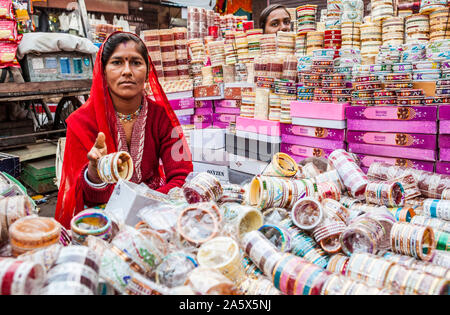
column 351, row 174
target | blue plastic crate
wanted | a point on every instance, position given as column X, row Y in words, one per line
column 10, row 164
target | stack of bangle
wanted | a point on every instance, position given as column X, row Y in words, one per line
column 293, row 275
column 21, row 277
column 46, row 256
column 390, row 194
column 338, row 264
column 259, row 286
column 417, row 28
column 307, row 213
column 140, row 285
column 437, row 209
column 434, row 223
column 277, row 235
column 442, row 240
column 442, row 258
column 363, row 235
column 387, row 220
column 340, row 285
column 404, row 280
column 336, row 209
column 209, row 281
column 371, row 269
column 349, row 202
column 403, row 214
column 281, row 165
column 250, row 268
column 203, row 187
column 174, row 269
column 304, row 245
column 413, row 240
column 261, row 251
column 411, row 262
column 108, row 167
column 197, row 225
column 328, row 190
column 330, row 176
column 351, row 174
column 11, row 209
column 90, row 222
column 29, row 233
column 221, row 253
column 364, row 207
column 240, row 219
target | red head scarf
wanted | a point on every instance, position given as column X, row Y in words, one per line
column 98, row 115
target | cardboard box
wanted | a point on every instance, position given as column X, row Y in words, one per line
column 444, row 141
column 185, row 120
column 444, row 154
column 316, row 132
column 426, row 127
column 395, row 113
column 219, row 171
column 444, row 127
column 227, row 103
column 367, row 160
column 227, row 110
column 198, row 118
column 210, row 156
column 258, row 136
column 179, row 95
column 390, row 151
column 330, row 111
column 209, row 92
column 224, row 118
column 211, row 138
column 250, row 148
column 313, row 142
column 259, row 126
column 203, row 104
column 404, row 140
column 429, row 88
column 323, row 123
column 246, row 165
column 444, row 112
column 204, row 111
column 443, row 168
column 184, row 112
column 239, row 178
column 301, row 152
column 184, row 103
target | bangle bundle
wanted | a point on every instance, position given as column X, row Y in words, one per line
column 413, row 240
column 437, row 208
column 250, row 268
column 442, row 258
column 197, row 225
column 90, row 222
column 371, row 269
column 29, row 233
column 209, row 281
column 281, row 165
column 403, row 214
column 442, row 240
column 259, row 286
column 203, row 187
column 20, row 277
column 278, row 236
column 293, row 275
column 174, row 269
column 78, row 265
column 108, row 167
column 261, row 251
column 351, row 174
column 338, row 264
column 11, row 209
column 307, row 213
column 305, row 246
column 328, row 190
column 240, row 219
column 434, row 223
column 340, row 285
column 387, row 220
column 364, row 235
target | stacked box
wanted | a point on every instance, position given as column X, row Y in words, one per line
column 317, row 130
column 443, row 165
column 151, row 40
column 399, row 135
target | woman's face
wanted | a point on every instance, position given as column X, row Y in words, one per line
column 278, row 20
column 126, row 71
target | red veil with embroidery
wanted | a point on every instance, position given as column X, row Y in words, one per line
column 99, row 116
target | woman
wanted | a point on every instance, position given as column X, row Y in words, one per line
column 119, row 116
column 275, row 18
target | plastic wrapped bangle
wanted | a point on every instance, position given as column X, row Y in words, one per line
column 90, row 222
column 307, row 213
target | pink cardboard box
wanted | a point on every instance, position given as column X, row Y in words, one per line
column 313, row 142
column 399, row 113
column 409, row 140
column 185, row 120
column 300, row 152
column 203, row 104
column 427, row 127
column 265, row 127
column 184, row 103
column 202, row 125
column 444, row 154
column 204, row 111
column 315, row 132
column 444, row 141
column 444, row 126
column 332, row 111
column 443, row 168
column 382, row 150
column 227, row 110
column 367, row 160
column 444, row 112
column 219, row 124
column 227, row 103
column 225, row 118
column 207, row 119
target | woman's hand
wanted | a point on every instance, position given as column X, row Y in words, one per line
column 98, row 150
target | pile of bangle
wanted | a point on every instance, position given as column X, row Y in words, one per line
column 413, row 240
column 369, row 268
column 21, row 277
column 203, row 187
column 390, row 194
column 46, row 256
column 340, row 285
column 442, row 240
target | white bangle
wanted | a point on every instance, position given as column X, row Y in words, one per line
column 96, row 186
